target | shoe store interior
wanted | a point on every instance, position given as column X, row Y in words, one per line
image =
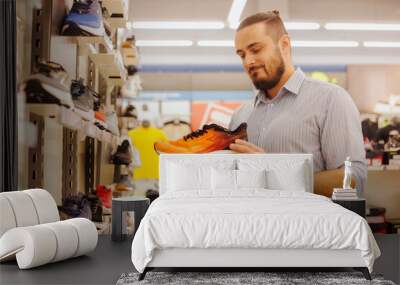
column 115, row 115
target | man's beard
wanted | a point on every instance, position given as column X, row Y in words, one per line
column 272, row 81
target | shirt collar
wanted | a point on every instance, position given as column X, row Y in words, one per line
column 292, row 85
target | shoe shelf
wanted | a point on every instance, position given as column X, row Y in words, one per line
column 69, row 118
column 118, row 11
column 110, row 66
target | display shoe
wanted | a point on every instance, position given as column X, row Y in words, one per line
column 130, row 112
column 152, row 194
column 82, row 96
column 132, row 85
column 209, row 138
column 84, row 19
column 112, row 121
column 77, row 206
column 122, row 187
column 50, row 85
column 123, row 154
column 105, row 195
column 96, row 206
column 129, row 52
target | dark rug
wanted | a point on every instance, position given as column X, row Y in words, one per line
column 228, row 278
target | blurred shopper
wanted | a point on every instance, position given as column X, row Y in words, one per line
column 143, row 138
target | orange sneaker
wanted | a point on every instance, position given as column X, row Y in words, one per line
column 209, row 138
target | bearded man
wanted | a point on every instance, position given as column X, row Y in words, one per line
column 292, row 113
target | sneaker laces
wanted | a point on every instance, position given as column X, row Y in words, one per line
column 195, row 134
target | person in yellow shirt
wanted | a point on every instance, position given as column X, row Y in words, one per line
column 143, row 138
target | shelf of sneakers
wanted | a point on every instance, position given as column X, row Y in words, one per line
column 115, row 14
column 69, row 118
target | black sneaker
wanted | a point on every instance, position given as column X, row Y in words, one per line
column 82, row 96
column 152, row 194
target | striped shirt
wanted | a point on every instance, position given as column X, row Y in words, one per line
column 307, row 116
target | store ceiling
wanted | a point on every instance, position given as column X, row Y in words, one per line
column 382, row 11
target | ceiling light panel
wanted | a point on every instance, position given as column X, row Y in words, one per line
column 382, row 44
column 178, row 25
column 222, row 43
column 325, row 44
column 362, row 26
column 164, row 43
column 302, row 26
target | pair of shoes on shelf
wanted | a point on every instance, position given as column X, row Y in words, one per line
column 84, row 19
column 209, row 138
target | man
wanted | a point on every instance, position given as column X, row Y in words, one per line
column 292, row 113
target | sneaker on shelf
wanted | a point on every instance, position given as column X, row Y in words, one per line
column 97, row 208
column 100, row 118
column 112, row 121
column 133, row 84
column 130, row 112
column 152, row 194
column 122, row 187
column 123, row 154
column 84, row 19
column 77, row 206
column 209, row 138
column 129, row 52
column 83, row 99
column 105, row 195
column 127, row 180
column 50, row 85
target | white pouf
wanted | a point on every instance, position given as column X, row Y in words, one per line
column 31, row 232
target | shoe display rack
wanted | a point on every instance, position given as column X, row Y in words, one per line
column 71, row 154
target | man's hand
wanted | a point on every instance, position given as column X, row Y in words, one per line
column 245, row 147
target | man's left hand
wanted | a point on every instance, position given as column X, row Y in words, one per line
column 243, row 146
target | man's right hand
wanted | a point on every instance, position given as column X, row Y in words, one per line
column 243, row 146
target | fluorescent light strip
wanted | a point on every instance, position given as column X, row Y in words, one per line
column 229, row 43
column 325, row 44
column 206, row 43
column 164, row 43
column 235, row 12
column 178, row 25
column 382, row 44
column 302, row 26
column 362, row 26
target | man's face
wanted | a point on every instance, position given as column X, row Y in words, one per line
column 261, row 57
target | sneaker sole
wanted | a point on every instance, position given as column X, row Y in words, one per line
column 74, row 29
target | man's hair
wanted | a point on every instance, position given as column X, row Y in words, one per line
column 275, row 27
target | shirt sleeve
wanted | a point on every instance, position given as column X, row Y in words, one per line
column 341, row 136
